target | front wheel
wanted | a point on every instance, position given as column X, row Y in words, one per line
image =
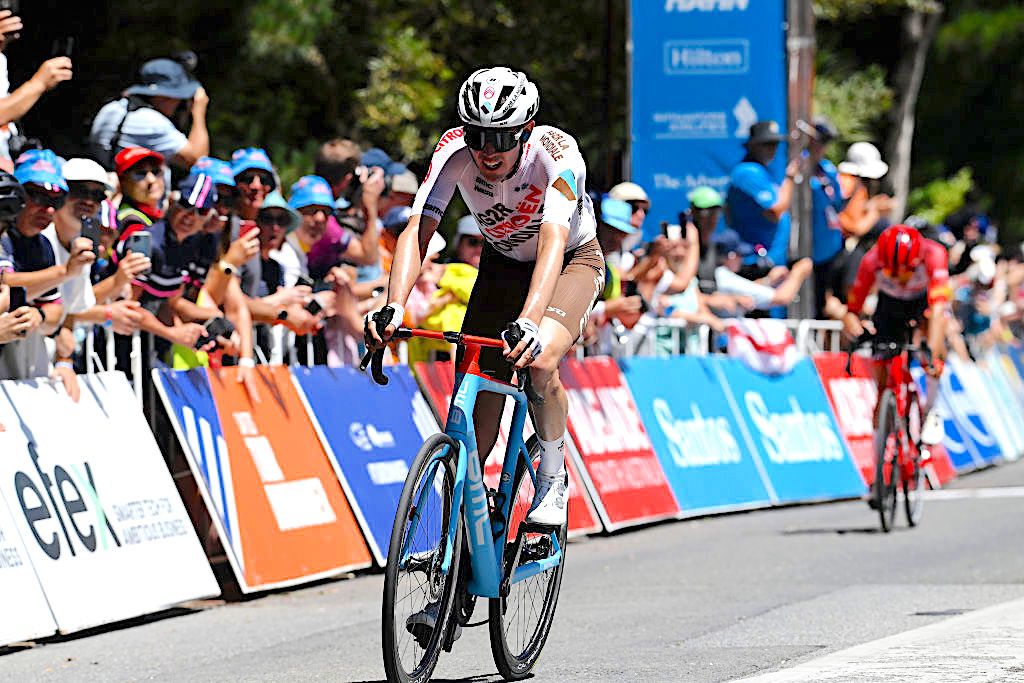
column 887, row 449
column 520, row 622
column 423, row 563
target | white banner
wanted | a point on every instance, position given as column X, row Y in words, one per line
column 25, row 612
column 96, row 508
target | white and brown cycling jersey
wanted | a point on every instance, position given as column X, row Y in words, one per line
column 548, row 186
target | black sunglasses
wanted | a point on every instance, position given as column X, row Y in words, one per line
column 45, row 199
column 80, row 192
column 196, row 211
column 502, row 139
column 246, row 178
column 472, row 241
column 140, row 173
column 271, row 218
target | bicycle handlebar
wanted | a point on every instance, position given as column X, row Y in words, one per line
column 375, row 358
column 886, row 349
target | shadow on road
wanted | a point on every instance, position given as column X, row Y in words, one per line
column 471, row 679
column 832, row 530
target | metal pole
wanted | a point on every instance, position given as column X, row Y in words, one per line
column 800, row 43
column 627, row 156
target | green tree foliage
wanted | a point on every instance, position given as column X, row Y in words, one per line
column 942, row 196
column 855, row 102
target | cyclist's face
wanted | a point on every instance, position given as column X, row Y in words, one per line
column 495, row 165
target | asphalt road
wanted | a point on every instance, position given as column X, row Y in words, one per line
column 705, row 600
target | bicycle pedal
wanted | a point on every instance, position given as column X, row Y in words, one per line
column 535, row 528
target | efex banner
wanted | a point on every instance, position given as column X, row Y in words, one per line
column 94, row 504
column 703, row 72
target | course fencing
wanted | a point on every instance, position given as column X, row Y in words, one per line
column 98, row 523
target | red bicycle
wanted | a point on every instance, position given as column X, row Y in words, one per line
column 899, row 455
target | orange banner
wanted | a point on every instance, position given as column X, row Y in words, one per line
column 294, row 522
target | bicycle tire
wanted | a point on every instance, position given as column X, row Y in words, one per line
column 887, row 476
column 515, row 660
column 397, row 638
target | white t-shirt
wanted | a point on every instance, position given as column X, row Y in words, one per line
column 292, row 258
column 77, row 292
column 549, row 186
column 144, row 127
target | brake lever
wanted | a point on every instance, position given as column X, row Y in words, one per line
column 375, row 357
column 513, row 335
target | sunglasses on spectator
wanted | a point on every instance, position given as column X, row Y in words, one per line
column 638, row 205
column 314, row 209
column 140, row 173
column 706, row 211
column 83, row 192
column 45, row 199
column 269, row 219
column 502, row 139
column 473, row 241
column 196, row 211
column 246, row 178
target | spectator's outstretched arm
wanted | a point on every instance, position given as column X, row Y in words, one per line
column 364, row 250
column 198, row 143
column 218, row 283
column 48, row 76
column 38, row 282
column 131, row 266
column 53, row 314
column 237, row 311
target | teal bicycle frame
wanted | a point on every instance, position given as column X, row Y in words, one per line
column 486, row 531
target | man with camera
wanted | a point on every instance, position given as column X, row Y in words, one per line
column 151, row 114
column 15, row 105
column 27, row 257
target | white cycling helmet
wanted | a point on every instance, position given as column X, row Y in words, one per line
column 498, row 97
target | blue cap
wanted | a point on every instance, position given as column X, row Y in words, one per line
column 198, row 190
column 396, row 217
column 274, row 200
column 40, row 167
column 219, row 170
column 250, row 158
column 375, row 156
column 729, row 240
column 311, row 190
column 166, row 78
column 617, row 214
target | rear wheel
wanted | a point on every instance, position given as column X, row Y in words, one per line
column 520, row 622
column 418, row 587
column 887, row 447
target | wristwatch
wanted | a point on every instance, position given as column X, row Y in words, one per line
column 282, row 314
column 227, row 267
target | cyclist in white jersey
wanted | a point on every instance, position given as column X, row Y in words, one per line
column 541, row 267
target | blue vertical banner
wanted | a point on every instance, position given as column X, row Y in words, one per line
column 703, row 71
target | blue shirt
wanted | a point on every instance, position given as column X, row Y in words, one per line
column 752, row 191
column 28, row 255
column 827, row 203
column 144, row 127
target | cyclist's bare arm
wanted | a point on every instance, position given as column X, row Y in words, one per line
column 407, row 263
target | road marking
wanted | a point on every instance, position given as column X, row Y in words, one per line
column 984, row 645
column 994, row 492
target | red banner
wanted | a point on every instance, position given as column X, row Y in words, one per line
column 628, row 480
column 853, row 399
column 438, row 381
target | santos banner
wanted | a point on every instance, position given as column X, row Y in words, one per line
column 703, row 72
column 438, row 380
column 372, row 434
column 94, row 504
column 697, row 435
column 264, row 476
column 26, row 614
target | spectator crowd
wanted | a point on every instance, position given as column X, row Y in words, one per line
column 222, row 265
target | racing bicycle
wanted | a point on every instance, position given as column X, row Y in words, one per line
column 454, row 540
column 900, row 457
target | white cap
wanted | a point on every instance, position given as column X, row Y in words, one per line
column 467, row 226
column 628, row 192
column 436, row 244
column 405, row 182
column 864, row 161
column 86, row 170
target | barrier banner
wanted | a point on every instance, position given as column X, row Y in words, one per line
column 372, row 434
column 94, row 503
column 438, row 381
column 963, row 404
column 1007, row 406
column 703, row 71
column 264, row 476
column 696, row 435
column 853, row 399
column 617, row 455
column 791, row 426
column 26, row 612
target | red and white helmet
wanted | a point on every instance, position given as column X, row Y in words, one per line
column 498, row 97
column 899, row 249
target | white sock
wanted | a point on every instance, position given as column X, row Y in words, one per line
column 552, row 456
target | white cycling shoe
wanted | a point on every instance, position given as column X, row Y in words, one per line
column 551, row 502
column 932, row 431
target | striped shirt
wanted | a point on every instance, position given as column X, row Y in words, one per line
column 172, row 260
column 28, row 255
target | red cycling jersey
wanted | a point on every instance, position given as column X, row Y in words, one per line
column 931, row 276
